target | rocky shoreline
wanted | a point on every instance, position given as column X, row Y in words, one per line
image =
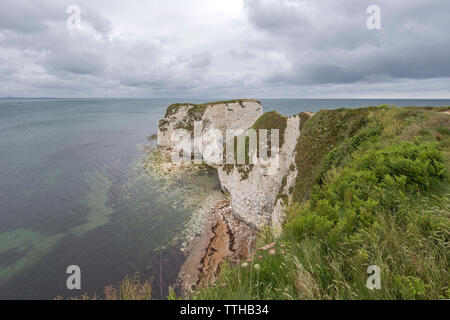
column 212, row 236
column 224, row 238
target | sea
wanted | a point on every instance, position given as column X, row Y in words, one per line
column 74, row 190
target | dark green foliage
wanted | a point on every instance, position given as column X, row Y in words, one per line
column 318, row 136
column 269, row 120
column 377, row 180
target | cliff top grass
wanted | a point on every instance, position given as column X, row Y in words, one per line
column 329, row 129
column 272, row 120
column 173, row 108
column 318, row 136
column 269, row 120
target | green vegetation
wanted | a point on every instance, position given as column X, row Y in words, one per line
column 372, row 189
column 269, row 120
column 162, row 124
column 318, row 136
column 194, row 113
column 282, row 194
column 131, row 288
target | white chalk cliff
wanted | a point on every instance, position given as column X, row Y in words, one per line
column 239, row 114
column 254, row 190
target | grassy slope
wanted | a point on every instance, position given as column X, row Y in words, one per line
column 373, row 189
column 269, row 120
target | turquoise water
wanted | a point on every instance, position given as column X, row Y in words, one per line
column 73, row 191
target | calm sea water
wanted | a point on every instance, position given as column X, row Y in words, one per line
column 73, row 192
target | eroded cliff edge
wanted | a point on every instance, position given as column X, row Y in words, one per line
column 257, row 190
column 220, row 115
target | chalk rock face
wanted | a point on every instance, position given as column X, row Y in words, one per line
column 254, row 192
column 257, row 191
column 169, row 123
column 237, row 114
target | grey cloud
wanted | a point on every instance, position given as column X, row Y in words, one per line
column 277, row 16
column 333, row 45
column 6, row 69
column 80, row 61
column 241, row 54
column 26, row 16
column 200, row 60
column 274, row 47
column 96, row 20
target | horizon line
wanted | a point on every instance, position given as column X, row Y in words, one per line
column 220, row 99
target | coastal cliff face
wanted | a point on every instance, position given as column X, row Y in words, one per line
column 258, row 191
column 255, row 189
column 236, row 114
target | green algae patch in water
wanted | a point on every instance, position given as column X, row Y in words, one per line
column 28, row 247
column 96, row 201
column 165, row 206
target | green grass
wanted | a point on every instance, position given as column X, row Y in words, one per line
column 373, row 189
column 130, row 288
column 318, row 136
column 269, row 120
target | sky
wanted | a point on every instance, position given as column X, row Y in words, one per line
column 225, row 49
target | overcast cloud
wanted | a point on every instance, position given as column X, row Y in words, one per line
column 225, row 48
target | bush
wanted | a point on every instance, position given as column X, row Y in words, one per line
column 378, row 180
